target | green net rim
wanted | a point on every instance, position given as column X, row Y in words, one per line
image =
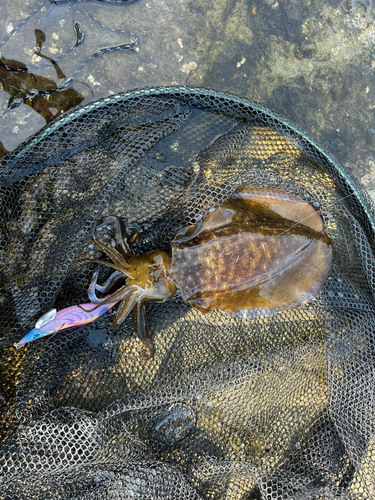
column 344, row 178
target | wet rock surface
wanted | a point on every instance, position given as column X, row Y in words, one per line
column 313, row 62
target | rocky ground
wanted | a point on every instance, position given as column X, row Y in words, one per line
column 313, row 62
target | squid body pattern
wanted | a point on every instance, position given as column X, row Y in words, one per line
column 259, row 253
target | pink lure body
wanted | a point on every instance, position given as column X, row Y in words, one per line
column 67, row 318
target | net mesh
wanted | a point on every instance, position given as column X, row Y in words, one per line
column 278, row 407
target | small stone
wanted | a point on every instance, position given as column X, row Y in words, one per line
column 188, row 67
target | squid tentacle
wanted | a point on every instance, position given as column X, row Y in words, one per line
column 141, row 324
column 113, row 297
column 91, row 291
column 124, row 241
column 131, row 296
column 108, row 264
column 128, row 304
column 111, row 280
column 112, row 253
column 102, row 288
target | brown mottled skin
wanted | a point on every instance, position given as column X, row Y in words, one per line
column 252, row 253
column 262, row 251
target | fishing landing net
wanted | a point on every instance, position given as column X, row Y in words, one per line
column 278, row 407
